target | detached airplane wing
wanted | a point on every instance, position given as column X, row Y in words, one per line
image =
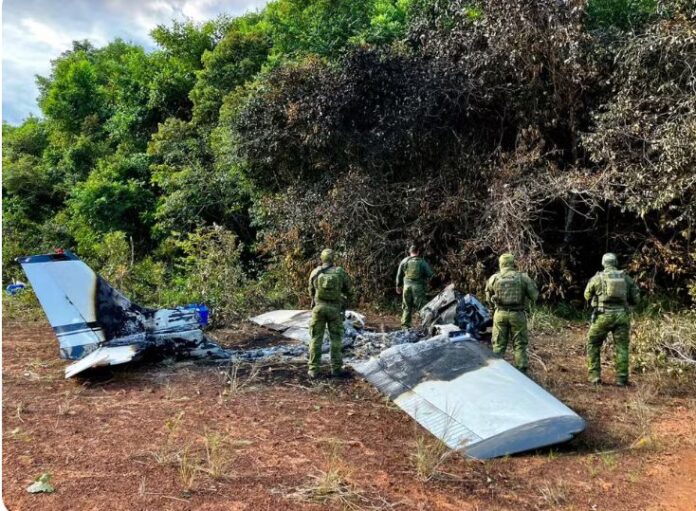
column 469, row 398
column 97, row 325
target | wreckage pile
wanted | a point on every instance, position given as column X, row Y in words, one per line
column 450, row 383
column 464, row 313
column 370, row 344
column 358, row 342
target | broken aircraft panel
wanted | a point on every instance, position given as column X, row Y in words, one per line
column 452, row 307
column 96, row 325
column 294, row 324
column 469, row 398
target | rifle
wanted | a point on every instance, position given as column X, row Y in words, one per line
column 596, row 311
column 593, row 316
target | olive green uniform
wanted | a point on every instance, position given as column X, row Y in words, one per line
column 413, row 275
column 509, row 292
column 611, row 292
column 330, row 288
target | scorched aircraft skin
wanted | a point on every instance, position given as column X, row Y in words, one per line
column 96, row 325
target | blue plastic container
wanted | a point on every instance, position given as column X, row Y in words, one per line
column 202, row 311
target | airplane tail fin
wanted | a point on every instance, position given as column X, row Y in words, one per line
column 83, row 309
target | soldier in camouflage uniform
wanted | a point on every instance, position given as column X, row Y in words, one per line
column 330, row 288
column 509, row 292
column 411, row 283
column 610, row 292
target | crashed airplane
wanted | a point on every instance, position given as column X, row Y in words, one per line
column 98, row 326
column 446, row 379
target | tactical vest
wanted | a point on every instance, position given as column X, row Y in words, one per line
column 328, row 286
column 614, row 291
column 413, row 270
column 509, row 289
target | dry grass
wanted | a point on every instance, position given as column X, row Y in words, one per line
column 66, row 407
column 234, row 381
column 666, row 341
column 19, row 410
column 219, row 454
column 429, row 455
column 609, row 459
column 330, row 485
column 642, row 412
column 24, row 307
column 167, row 452
column 543, row 320
column 189, row 465
column 554, row 494
column 18, row 434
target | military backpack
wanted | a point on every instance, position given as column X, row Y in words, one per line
column 328, row 286
column 413, row 270
column 614, row 288
column 509, row 289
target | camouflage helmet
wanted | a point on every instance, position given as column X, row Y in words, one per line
column 610, row 260
column 506, row 260
column 327, row 255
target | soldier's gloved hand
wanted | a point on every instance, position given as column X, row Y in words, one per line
column 398, row 290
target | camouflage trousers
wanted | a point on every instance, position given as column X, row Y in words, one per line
column 619, row 324
column 412, row 299
column 326, row 315
column 511, row 325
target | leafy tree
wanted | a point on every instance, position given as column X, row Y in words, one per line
column 29, row 138
column 72, row 93
column 186, row 42
column 194, row 191
column 323, row 27
column 388, row 22
column 236, row 59
column 113, row 198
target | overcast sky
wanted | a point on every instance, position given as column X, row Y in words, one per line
column 36, row 31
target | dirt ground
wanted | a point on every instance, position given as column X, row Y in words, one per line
column 181, row 436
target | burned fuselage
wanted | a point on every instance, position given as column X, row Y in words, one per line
column 96, row 325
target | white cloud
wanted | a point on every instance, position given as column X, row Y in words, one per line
column 197, row 9
column 37, row 31
column 44, row 34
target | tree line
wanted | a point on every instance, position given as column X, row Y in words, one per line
column 218, row 166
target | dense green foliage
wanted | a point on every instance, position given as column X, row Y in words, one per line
column 218, row 166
